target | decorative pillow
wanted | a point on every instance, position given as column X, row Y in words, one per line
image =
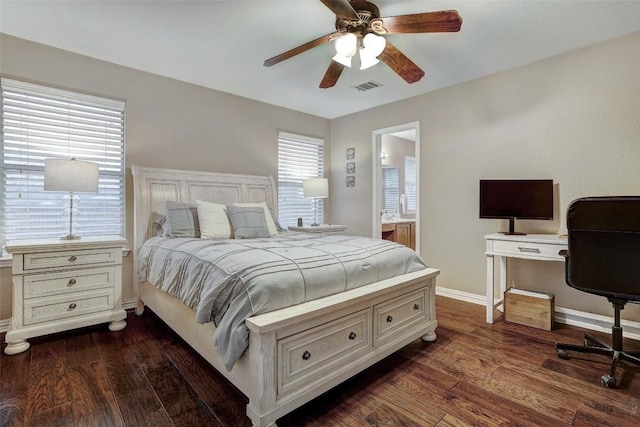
column 214, row 221
column 271, row 224
column 248, row 222
column 181, row 220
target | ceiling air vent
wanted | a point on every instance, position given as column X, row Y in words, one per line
column 368, row 85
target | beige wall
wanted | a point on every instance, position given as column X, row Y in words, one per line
column 168, row 123
column 573, row 118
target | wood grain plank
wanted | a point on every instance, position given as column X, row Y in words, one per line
column 450, row 421
column 178, row 398
column 14, row 372
column 92, row 399
column 60, row 416
column 48, row 378
column 226, row 402
column 142, row 408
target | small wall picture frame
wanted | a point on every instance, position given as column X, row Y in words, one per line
column 351, row 181
column 351, row 153
column 351, row 167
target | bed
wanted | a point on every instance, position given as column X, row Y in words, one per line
column 296, row 353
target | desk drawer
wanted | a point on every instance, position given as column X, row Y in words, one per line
column 57, row 259
column 40, row 310
column 64, row 282
column 399, row 314
column 529, row 250
column 310, row 355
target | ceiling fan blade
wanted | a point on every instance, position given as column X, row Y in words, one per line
column 342, row 9
column 399, row 63
column 297, row 50
column 446, row 21
column 331, row 76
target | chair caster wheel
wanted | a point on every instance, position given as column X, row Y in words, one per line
column 608, row 381
column 562, row 354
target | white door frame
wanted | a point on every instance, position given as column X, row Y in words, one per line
column 376, row 141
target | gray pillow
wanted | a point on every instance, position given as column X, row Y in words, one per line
column 248, row 222
column 181, row 220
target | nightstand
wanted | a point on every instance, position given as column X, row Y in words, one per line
column 64, row 284
column 322, row 228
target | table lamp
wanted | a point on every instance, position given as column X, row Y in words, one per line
column 72, row 176
column 316, row 188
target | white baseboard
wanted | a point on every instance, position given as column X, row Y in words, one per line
column 582, row 319
column 4, row 325
column 130, row 303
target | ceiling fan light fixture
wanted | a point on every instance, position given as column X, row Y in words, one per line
column 367, row 59
column 374, row 43
column 346, row 48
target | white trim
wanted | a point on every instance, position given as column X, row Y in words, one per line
column 376, row 144
column 567, row 316
column 462, row 296
column 130, row 303
column 4, row 325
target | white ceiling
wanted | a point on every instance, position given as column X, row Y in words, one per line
column 223, row 44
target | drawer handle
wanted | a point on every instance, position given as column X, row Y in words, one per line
column 72, row 258
column 416, row 307
column 306, row 355
column 529, row 250
column 72, row 306
column 389, row 319
column 71, row 282
column 352, row 335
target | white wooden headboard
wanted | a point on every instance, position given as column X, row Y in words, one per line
column 154, row 187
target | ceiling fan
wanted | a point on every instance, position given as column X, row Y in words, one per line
column 359, row 27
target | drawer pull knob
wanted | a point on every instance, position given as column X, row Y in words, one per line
column 72, row 258
column 352, row 335
column 389, row 319
column 306, row 355
column 416, row 307
column 72, row 306
column 71, row 282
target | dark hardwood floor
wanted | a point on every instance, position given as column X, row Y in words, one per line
column 474, row 374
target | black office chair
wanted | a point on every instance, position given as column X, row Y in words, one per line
column 604, row 259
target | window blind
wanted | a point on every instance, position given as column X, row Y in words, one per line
column 299, row 158
column 390, row 188
column 40, row 123
column 410, row 183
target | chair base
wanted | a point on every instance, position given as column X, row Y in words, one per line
column 593, row 345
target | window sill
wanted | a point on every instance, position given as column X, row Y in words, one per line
column 5, row 259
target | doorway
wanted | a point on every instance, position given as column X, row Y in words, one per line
column 392, row 158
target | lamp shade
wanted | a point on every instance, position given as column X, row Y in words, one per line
column 70, row 175
column 316, row 187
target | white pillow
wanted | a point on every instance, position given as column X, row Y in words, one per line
column 271, row 225
column 214, row 221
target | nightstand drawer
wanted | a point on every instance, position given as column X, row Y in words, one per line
column 57, row 259
column 528, row 250
column 50, row 284
column 40, row 310
column 399, row 314
column 308, row 356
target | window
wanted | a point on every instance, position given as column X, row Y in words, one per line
column 410, row 183
column 40, row 123
column 390, row 188
column 299, row 158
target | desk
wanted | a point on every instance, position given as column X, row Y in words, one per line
column 541, row 247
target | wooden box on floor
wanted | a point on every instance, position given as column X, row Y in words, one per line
column 529, row 308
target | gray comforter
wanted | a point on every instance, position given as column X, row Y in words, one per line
column 226, row 281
